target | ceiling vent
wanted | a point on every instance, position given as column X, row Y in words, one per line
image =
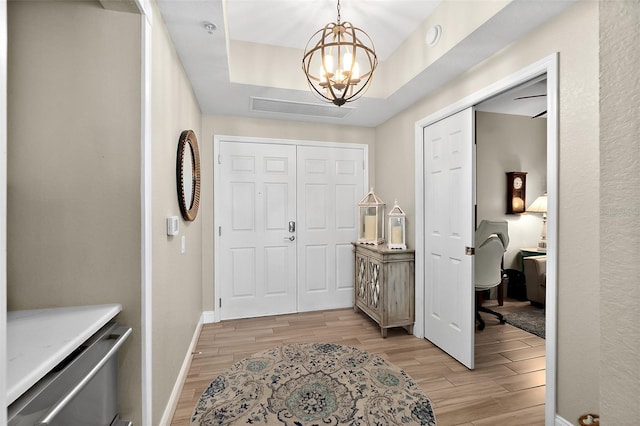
column 299, row 108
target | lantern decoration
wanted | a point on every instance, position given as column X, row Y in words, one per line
column 396, row 228
column 371, row 219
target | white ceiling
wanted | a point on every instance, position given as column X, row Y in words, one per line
column 522, row 100
column 291, row 23
column 281, row 28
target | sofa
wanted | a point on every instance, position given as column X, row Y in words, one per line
column 535, row 274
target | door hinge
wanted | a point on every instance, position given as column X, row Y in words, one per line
column 219, row 231
column 364, row 165
column 219, row 159
column 220, row 302
column 469, row 251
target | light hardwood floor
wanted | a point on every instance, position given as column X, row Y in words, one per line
column 506, row 388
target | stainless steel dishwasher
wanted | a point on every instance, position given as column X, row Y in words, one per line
column 82, row 390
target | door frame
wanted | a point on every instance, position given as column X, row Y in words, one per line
column 3, row 208
column 548, row 66
column 217, row 139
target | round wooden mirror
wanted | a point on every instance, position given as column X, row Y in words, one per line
column 188, row 175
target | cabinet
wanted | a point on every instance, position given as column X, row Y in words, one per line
column 384, row 285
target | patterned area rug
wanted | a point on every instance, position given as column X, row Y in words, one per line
column 313, row 384
column 531, row 321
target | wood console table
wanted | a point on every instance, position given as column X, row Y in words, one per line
column 384, row 285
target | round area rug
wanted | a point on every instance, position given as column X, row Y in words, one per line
column 313, row 384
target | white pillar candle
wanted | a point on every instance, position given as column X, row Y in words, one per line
column 396, row 234
column 369, row 228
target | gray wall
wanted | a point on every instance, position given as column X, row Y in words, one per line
column 619, row 218
column 507, row 143
column 177, row 301
column 73, row 215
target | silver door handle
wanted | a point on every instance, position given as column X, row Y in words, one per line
column 291, row 238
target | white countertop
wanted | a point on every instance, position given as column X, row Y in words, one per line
column 38, row 340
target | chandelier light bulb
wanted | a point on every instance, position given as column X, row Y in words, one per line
column 328, row 64
column 346, row 60
column 355, row 72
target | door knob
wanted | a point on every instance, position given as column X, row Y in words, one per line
column 291, row 238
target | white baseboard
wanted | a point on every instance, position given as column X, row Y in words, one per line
column 208, row 317
column 562, row 422
column 182, row 376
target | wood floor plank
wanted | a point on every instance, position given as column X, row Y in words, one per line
column 466, row 393
column 528, row 365
column 460, row 378
column 525, row 353
column 522, row 381
column 531, row 416
column 525, row 398
column 465, row 412
column 506, row 388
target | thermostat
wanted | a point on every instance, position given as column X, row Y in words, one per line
column 172, row 225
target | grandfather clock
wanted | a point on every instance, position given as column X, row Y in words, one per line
column 516, row 192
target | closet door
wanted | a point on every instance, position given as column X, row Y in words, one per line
column 257, row 251
column 330, row 185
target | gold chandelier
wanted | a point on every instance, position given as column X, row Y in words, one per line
column 344, row 64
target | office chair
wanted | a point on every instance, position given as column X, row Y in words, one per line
column 491, row 240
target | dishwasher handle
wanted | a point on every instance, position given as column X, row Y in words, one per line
column 53, row 412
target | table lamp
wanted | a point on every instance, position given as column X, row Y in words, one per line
column 540, row 206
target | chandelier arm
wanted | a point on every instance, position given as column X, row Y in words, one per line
column 361, row 89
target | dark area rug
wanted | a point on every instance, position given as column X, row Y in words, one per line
column 313, row 384
column 531, row 321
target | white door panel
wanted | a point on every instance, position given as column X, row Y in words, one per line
column 258, row 263
column 330, row 184
column 449, row 200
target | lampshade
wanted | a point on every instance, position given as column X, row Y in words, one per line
column 539, row 205
column 339, row 61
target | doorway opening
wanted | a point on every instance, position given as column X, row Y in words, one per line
column 511, row 137
column 546, row 67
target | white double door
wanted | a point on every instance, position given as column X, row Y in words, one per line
column 287, row 217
